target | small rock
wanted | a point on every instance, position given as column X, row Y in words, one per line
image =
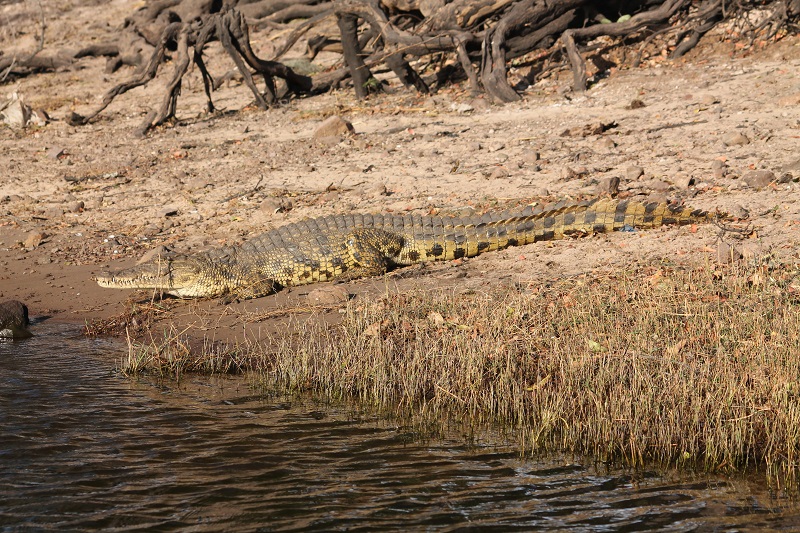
column 474, row 147
column 333, row 126
column 634, row 173
column 735, row 139
column 790, row 100
column 656, row 197
column 481, row 104
column 328, row 295
column 709, row 99
column 794, row 165
column 14, row 320
column 53, row 212
column 727, row 253
column 56, row 152
column 39, row 117
column 656, row 185
column 153, row 255
column 462, row 108
column 14, row 112
column 276, row 205
column 608, row 186
column 568, row 174
column 379, row 190
column 499, row 173
column 497, row 147
column 683, row 181
column 759, row 178
column 719, row 168
column 751, row 251
column 150, row 230
column 168, row 212
column 738, row 212
column 33, row 240
column 607, row 143
column 331, row 196
column 76, row 206
column 636, row 104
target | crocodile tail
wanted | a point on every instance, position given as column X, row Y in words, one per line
column 468, row 237
column 600, row 216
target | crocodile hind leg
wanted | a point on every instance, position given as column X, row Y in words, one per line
column 371, row 252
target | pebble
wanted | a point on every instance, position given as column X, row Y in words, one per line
column 727, row 253
column 719, row 168
column 656, row 197
column 462, row 108
column 379, row 190
column 759, row 178
column 168, row 212
column 55, row 152
column 608, row 186
column 636, row 104
column 155, row 253
column 790, row 100
column 34, row 239
column 568, row 174
column 634, row 173
column 53, row 212
column 499, row 173
column 76, row 206
column 333, row 126
column 735, row 138
column 657, row 185
column 331, row 197
column 276, row 205
column 739, row 212
column 683, row 181
column 794, row 165
column 481, row 104
column 328, row 295
column 607, row 143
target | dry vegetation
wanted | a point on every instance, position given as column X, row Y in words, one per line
column 679, row 367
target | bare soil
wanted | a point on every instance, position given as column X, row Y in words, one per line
column 75, row 201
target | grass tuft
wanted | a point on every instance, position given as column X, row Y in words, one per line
column 693, row 368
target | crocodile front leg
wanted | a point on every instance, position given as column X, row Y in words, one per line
column 371, row 252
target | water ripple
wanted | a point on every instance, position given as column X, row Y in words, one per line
column 84, row 449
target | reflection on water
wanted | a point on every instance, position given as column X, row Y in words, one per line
column 82, row 448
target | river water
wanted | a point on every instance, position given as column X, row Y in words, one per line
column 83, row 448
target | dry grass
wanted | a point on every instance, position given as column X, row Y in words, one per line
column 696, row 368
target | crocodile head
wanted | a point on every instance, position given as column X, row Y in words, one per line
column 179, row 275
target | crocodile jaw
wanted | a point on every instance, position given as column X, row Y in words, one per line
column 179, row 276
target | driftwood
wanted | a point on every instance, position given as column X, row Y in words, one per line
column 471, row 40
column 231, row 30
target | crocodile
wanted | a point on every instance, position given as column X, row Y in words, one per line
column 351, row 246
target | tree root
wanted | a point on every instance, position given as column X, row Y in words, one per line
column 465, row 39
column 230, row 29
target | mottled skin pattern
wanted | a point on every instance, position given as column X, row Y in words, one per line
column 347, row 247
